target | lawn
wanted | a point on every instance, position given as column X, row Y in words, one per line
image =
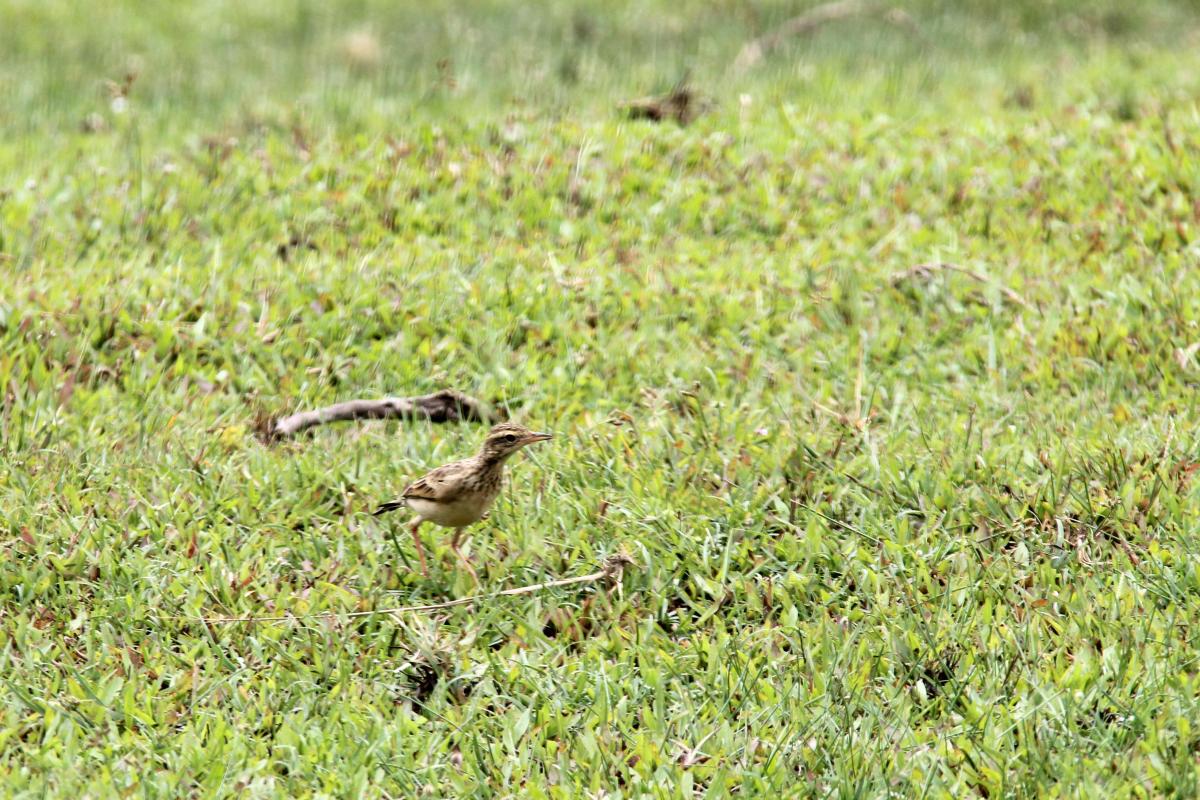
column 882, row 372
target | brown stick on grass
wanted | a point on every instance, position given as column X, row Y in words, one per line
column 448, row 405
column 925, row 270
column 756, row 49
column 612, row 570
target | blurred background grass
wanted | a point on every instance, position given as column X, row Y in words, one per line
column 360, row 62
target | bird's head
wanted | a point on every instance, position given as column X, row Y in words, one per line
column 507, row 438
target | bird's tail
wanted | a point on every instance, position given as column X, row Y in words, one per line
column 386, row 507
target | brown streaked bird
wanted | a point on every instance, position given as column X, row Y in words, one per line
column 460, row 493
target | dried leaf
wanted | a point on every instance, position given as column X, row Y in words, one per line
column 688, row 757
column 1184, row 355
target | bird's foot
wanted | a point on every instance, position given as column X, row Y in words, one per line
column 466, row 562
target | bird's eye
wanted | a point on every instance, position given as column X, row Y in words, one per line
column 510, row 438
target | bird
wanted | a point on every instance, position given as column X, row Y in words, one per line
column 460, row 493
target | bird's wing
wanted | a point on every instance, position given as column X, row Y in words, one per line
column 440, row 485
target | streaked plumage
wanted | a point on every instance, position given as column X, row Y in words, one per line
column 460, row 493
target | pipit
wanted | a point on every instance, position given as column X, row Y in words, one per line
column 460, row 493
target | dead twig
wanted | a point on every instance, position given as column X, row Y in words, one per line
column 926, row 270
column 682, row 104
column 447, row 405
column 756, row 50
column 612, row 571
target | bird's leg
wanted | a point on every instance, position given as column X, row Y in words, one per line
column 414, row 529
column 465, row 561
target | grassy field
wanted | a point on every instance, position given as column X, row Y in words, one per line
column 896, row 532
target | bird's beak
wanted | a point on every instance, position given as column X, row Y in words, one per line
column 538, row 437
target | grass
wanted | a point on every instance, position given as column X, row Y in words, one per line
column 893, row 536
